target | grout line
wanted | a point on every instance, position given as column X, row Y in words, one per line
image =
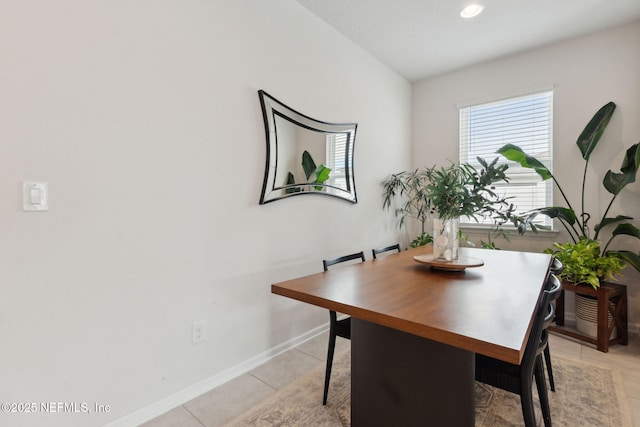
column 262, row 381
column 194, row 416
column 309, row 354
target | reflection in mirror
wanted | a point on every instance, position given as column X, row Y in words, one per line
column 304, row 155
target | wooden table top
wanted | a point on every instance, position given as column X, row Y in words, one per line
column 487, row 310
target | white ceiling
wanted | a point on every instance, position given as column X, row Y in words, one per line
column 422, row 38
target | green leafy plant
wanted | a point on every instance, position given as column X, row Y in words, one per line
column 410, row 188
column 461, row 190
column 319, row 173
column 421, row 240
column 449, row 192
column 577, row 222
column 583, row 264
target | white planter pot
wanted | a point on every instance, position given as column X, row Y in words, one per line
column 587, row 316
column 445, row 239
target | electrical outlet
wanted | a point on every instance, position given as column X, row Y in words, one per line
column 199, row 331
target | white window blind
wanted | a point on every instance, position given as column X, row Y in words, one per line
column 525, row 121
column 336, row 144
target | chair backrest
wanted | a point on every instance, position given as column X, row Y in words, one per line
column 557, row 267
column 377, row 251
column 534, row 347
column 553, row 287
column 328, row 262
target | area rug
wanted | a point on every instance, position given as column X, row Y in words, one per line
column 586, row 396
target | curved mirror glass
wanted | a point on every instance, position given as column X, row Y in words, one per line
column 304, row 155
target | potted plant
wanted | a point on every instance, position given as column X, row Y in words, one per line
column 446, row 194
column 582, row 262
column 410, row 187
column 321, row 174
column 585, row 260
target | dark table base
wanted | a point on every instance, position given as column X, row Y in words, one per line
column 399, row 379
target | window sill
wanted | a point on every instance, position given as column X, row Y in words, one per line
column 511, row 231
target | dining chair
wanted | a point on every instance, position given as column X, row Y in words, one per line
column 337, row 327
column 377, row 251
column 518, row 379
column 556, row 269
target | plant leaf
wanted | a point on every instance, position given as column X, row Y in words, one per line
column 565, row 214
column 526, row 219
column 308, row 165
column 291, row 181
column 591, row 134
column 515, row 154
column 322, row 174
column 629, row 257
column 615, row 182
column 627, row 229
column 607, row 221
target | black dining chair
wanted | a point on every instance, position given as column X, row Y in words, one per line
column 518, row 379
column 337, row 327
column 556, row 269
column 377, row 251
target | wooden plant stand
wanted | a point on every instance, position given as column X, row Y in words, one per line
column 612, row 298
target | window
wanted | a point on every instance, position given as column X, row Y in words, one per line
column 525, row 121
column 336, row 144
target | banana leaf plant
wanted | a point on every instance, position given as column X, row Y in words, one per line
column 576, row 221
column 319, row 173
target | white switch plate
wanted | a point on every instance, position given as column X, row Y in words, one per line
column 35, row 196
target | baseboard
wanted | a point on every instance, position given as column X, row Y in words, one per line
column 166, row 404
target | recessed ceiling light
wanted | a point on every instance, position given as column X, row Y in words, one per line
column 472, row 10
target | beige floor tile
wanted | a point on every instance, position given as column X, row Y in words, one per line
column 222, row 404
column 622, row 357
column 317, row 346
column 632, row 381
column 177, row 417
column 634, row 404
column 568, row 348
column 285, row 368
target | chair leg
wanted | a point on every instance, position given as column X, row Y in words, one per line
column 526, row 401
column 327, row 375
column 542, row 391
column 547, row 360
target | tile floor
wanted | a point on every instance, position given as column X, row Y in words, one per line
column 223, row 404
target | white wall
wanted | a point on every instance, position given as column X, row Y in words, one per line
column 585, row 74
column 144, row 119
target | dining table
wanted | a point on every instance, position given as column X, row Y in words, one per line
column 415, row 328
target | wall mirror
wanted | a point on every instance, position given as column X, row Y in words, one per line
column 305, row 155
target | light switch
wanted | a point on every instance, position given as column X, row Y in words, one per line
column 35, row 196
